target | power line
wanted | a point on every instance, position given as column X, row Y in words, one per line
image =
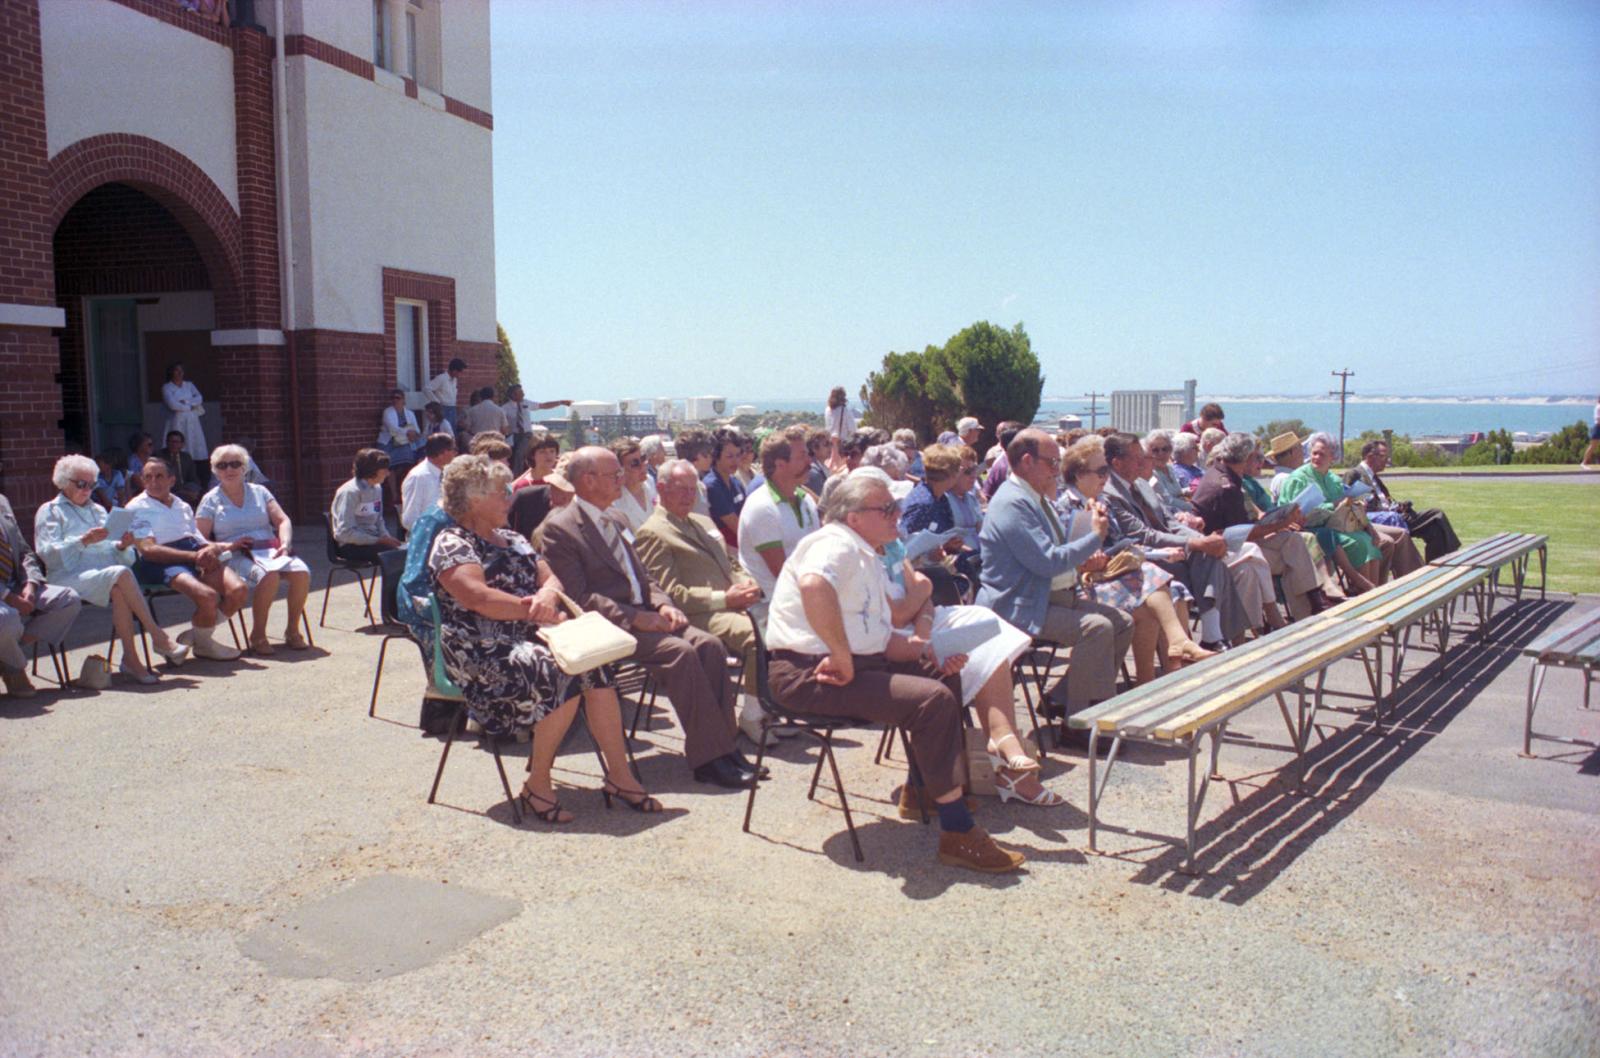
column 1343, row 395
column 1094, row 409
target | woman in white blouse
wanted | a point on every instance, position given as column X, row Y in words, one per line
column 400, row 438
column 638, row 496
column 248, row 518
column 184, row 408
column 69, row 534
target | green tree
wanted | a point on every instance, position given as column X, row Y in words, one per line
column 1564, row 446
column 995, row 374
column 506, row 363
column 1272, row 429
column 912, row 390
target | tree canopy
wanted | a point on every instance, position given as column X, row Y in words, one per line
column 983, row 370
column 506, row 362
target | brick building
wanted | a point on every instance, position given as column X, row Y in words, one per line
column 304, row 226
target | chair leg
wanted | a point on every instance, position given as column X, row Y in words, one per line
column 844, row 802
column 367, row 586
column 884, row 746
column 505, row 784
column 914, row 775
column 238, row 644
column 327, row 586
column 750, row 802
column 383, row 649
column 827, row 738
column 305, row 622
column 449, row 739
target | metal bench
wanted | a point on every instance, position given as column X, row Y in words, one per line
column 1574, row 645
column 1183, row 707
column 1501, row 550
column 1424, row 597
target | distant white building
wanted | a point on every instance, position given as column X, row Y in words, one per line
column 1142, row 410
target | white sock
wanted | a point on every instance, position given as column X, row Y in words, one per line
column 200, row 635
column 1211, row 626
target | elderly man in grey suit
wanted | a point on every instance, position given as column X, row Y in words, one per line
column 1030, row 571
column 590, row 550
column 31, row 610
column 1195, row 558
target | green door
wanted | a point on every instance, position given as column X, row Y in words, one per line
column 117, row 371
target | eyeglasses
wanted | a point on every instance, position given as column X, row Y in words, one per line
column 634, row 464
column 78, row 483
column 1053, row 464
column 1156, row 450
column 888, row 510
column 230, row 464
column 1101, row 472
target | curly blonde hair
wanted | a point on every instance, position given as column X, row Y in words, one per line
column 466, row 478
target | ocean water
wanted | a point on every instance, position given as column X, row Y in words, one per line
column 1416, row 418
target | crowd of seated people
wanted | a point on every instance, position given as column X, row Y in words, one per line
column 705, row 545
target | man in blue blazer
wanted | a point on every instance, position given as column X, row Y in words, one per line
column 1031, row 565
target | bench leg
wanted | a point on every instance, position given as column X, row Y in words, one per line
column 1197, row 793
column 1535, row 685
column 1541, row 577
column 1097, row 790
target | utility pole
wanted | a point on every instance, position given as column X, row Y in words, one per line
column 1343, row 395
column 1094, row 409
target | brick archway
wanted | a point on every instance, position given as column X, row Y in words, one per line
column 172, row 180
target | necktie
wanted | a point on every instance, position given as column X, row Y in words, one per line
column 609, row 532
column 8, row 562
column 1055, row 523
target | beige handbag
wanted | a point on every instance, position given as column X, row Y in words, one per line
column 586, row 641
column 1350, row 516
column 95, row 674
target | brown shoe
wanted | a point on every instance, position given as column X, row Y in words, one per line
column 910, row 810
column 976, row 851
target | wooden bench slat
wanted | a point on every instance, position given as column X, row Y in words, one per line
column 1242, row 696
column 1359, row 602
column 1575, row 640
column 1422, row 603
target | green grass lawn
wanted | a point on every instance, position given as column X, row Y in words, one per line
column 1568, row 513
column 1514, row 468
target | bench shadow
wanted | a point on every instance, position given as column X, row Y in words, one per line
column 1266, row 829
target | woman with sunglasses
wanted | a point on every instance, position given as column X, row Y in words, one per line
column 638, row 498
column 1158, row 601
column 260, row 537
column 1158, row 444
column 69, row 534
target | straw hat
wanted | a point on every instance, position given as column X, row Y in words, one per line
column 1281, row 444
column 557, row 480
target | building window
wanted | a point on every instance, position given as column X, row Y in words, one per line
column 405, row 40
column 410, row 344
column 380, row 33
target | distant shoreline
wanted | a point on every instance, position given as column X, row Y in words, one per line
column 1537, row 402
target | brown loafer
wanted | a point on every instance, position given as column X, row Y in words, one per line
column 977, row 851
column 910, row 810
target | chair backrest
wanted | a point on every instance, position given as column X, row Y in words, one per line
column 391, row 567
column 441, row 678
column 333, row 547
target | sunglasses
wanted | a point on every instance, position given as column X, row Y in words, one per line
column 230, row 464
column 1156, row 450
column 633, row 464
column 1101, row 472
column 78, row 483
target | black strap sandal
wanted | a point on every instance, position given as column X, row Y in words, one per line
column 641, row 802
column 552, row 814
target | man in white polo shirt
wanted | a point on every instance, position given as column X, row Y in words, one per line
column 834, row 653
column 779, row 514
column 172, row 553
column 420, row 489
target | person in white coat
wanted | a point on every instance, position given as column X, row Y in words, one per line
column 184, row 408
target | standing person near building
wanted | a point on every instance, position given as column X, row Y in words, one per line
column 399, row 437
column 484, row 416
column 839, row 420
column 1594, row 439
column 184, row 408
column 442, row 388
column 433, row 420
column 518, row 412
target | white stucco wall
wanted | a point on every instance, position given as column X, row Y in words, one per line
column 110, row 69
column 380, row 181
column 465, row 51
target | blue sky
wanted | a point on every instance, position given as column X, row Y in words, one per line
column 761, row 199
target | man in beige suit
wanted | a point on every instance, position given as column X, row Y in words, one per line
column 590, row 550
column 686, row 555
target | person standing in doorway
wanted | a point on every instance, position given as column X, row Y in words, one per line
column 184, row 408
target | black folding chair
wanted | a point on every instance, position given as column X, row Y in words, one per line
column 391, row 566
column 822, row 728
column 359, row 566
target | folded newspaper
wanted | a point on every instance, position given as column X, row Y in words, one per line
column 963, row 638
column 926, row 540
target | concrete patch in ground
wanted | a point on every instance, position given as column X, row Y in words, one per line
column 381, row 926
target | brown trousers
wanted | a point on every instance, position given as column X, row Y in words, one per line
column 692, row 667
column 904, row 694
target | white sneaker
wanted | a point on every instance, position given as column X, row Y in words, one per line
column 752, row 720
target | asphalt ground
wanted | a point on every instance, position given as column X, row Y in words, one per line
column 240, row 862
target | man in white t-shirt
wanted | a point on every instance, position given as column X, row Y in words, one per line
column 518, row 410
column 834, row 653
column 173, row 554
column 420, row 490
column 778, row 514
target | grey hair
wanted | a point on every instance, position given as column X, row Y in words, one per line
column 1158, row 435
column 1234, row 448
column 652, row 445
column 887, row 457
column 1184, row 442
column 70, row 467
column 904, row 436
column 1325, row 437
column 466, row 478
column 1212, row 436
column 223, row 453
column 676, row 466
column 851, row 494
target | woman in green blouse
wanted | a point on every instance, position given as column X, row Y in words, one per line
column 1356, row 554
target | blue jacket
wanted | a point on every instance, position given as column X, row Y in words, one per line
column 1020, row 559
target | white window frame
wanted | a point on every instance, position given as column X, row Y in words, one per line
column 419, row 354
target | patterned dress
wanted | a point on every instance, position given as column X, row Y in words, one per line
column 1128, row 591
column 510, row 679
